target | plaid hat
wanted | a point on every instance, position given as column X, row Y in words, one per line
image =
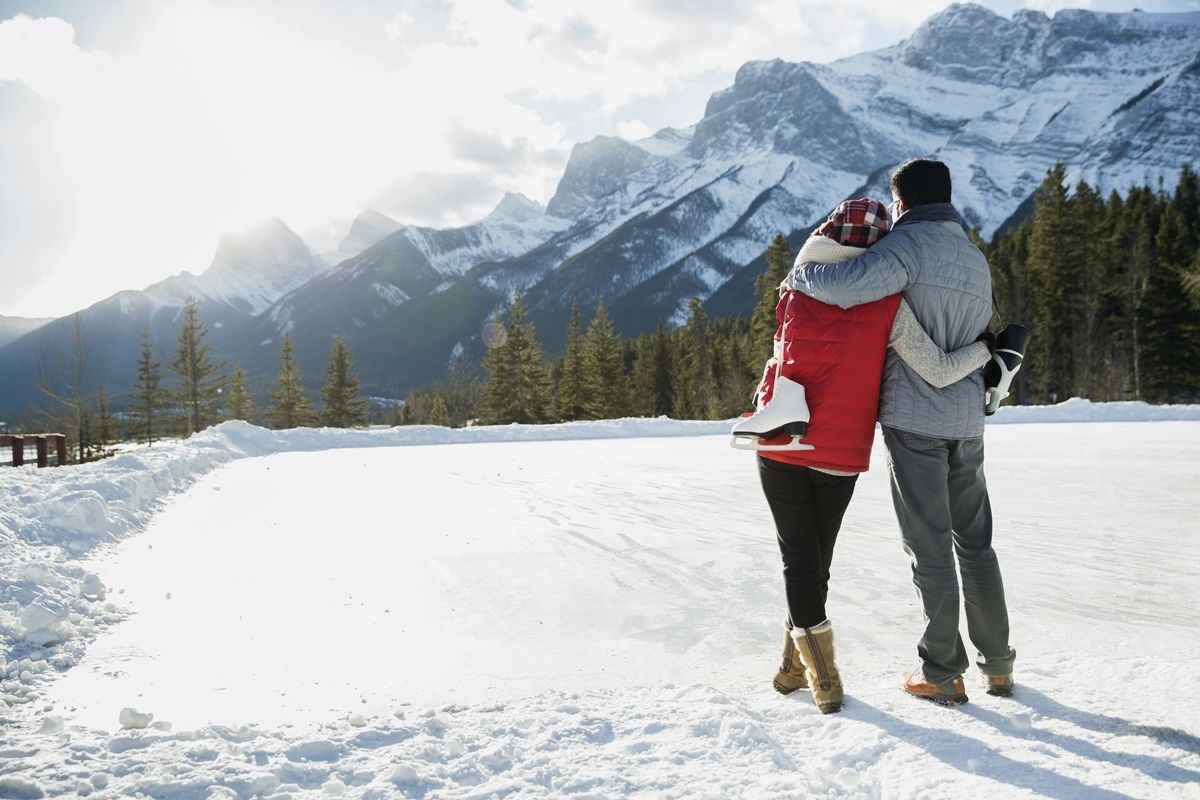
column 857, row 223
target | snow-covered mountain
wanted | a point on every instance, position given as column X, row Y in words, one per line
column 363, row 296
column 1116, row 97
column 367, row 229
column 249, row 272
column 645, row 226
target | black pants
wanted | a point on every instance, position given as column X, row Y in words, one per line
column 808, row 507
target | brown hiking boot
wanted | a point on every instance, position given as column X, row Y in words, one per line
column 999, row 685
column 790, row 675
column 815, row 646
column 948, row 693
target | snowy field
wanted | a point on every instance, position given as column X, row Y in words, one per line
column 584, row 610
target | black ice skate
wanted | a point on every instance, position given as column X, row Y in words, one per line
column 998, row 374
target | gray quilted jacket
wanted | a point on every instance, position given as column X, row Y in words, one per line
column 946, row 280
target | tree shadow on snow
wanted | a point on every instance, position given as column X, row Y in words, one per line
column 1167, row 737
column 1156, row 768
column 974, row 757
column 1159, row 768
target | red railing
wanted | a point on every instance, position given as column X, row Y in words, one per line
column 18, row 443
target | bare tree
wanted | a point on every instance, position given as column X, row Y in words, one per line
column 63, row 374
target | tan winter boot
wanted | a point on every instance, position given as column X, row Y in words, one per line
column 815, row 646
column 790, row 675
column 950, row 692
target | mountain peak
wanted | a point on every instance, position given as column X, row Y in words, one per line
column 272, row 233
column 253, row 268
column 668, row 141
column 516, row 207
column 375, row 220
column 368, row 228
column 595, row 169
column 967, row 42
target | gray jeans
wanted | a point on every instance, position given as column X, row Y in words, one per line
column 942, row 504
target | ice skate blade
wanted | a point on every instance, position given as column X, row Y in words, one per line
column 751, row 442
column 794, row 428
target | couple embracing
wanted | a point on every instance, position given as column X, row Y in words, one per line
column 885, row 317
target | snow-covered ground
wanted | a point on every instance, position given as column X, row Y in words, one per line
column 584, row 610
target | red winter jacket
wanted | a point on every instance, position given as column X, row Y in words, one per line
column 838, row 355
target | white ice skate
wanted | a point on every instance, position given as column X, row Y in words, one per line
column 787, row 413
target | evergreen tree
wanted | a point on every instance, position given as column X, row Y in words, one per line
column 148, row 397
column 290, row 408
column 1113, row 362
column 1141, row 223
column 518, row 387
column 694, row 382
column 437, row 412
column 200, row 384
column 1187, row 203
column 463, row 390
column 1191, row 281
column 105, row 433
column 1007, row 256
column 1053, row 278
column 1086, row 209
column 654, row 390
column 1171, row 340
column 241, row 404
column 738, row 368
column 605, row 383
column 763, row 321
column 570, row 402
column 343, row 407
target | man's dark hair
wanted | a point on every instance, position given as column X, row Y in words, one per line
column 921, row 181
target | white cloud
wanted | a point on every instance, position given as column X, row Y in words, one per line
column 42, row 54
column 633, row 129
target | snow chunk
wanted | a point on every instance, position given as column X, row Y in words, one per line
column 131, row 719
column 22, row 790
column 42, row 621
column 51, row 725
column 92, row 588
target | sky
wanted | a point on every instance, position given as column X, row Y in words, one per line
column 602, row 620
column 134, row 133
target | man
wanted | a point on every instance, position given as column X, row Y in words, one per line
column 934, row 437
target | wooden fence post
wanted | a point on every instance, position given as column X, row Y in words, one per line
column 42, row 442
